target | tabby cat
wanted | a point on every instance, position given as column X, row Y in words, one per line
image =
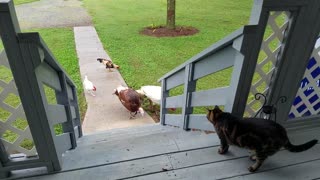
column 263, row 137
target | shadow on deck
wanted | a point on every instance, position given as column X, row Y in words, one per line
column 157, row 152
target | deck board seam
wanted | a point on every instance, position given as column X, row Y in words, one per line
column 176, row 144
column 272, row 169
column 128, row 160
column 213, row 162
column 139, row 158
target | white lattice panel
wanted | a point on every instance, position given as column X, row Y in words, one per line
column 267, row 61
column 307, row 101
column 14, row 130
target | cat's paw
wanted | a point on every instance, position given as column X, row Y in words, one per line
column 253, row 157
column 222, row 150
column 252, row 169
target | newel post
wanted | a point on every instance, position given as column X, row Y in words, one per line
column 63, row 98
column 164, row 95
column 189, row 87
column 21, row 57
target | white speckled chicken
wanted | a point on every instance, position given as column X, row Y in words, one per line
column 130, row 99
column 88, row 86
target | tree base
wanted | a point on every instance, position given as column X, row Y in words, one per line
column 162, row 31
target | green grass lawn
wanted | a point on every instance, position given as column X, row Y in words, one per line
column 17, row 2
column 61, row 42
column 145, row 59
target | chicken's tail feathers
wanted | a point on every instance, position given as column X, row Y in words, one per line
column 139, row 91
column 141, row 111
column 100, row 59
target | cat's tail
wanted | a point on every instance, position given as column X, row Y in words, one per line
column 298, row 148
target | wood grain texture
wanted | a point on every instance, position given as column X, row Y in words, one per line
column 174, row 101
column 210, row 97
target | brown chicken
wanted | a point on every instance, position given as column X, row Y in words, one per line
column 130, row 99
column 108, row 63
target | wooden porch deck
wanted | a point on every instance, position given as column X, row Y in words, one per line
column 162, row 152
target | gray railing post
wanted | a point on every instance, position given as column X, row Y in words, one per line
column 189, row 87
column 62, row 98
column 164, row 95
column 75, row 104
column 236, row 74
column 39, row 124
column 250, row 49
column 21, row 60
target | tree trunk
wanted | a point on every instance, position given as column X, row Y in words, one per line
column 171, row 14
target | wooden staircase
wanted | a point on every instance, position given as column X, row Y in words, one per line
column 164, row 152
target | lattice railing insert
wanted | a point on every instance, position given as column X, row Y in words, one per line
column 307, row 101
column 267, row 60
column 14, row 129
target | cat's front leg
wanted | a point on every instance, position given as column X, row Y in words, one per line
column 253, row 156
column 260, row 157
column 224, row 147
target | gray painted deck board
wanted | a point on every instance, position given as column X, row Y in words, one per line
column 238, row 167
column 182, row 155
column 116, row 171
column 135, row 147
column 298, row 172
column 123, row 133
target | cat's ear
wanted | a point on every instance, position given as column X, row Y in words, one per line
column 217, row 112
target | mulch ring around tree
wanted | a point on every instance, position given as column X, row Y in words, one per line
column 162, row 31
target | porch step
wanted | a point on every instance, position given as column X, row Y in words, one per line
column 171, row 155
column 123, row 133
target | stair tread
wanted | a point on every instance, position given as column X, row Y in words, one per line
column 117, row 134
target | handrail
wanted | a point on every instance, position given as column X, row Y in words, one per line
column 221, row 55
column 66, row 96
column 35, row 38
column 228, row 40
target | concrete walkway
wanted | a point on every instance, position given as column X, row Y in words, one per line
column 104, row 110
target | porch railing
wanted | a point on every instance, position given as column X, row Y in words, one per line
column 285, row 31
column 222, row 55
column 35, row 70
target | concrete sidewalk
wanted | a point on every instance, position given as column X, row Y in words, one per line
column 105, row 111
